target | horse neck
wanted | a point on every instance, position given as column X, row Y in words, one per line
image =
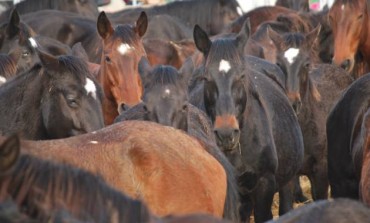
column 27, row 100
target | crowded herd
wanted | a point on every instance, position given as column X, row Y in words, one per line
column 191, row 111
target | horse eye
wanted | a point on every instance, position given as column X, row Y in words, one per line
column 360, row 16
column 307, row 65
column 107, row 59
column 145, row 108
column 72, row 101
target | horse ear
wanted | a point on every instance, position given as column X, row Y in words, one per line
column 13, row 25
column 104, row 26
column 186, row 71
column 243, row 36
column 141, row 24
column 9, row 153
column 144, row 68
column 48, row 61
column 313, row 35
column 274, row 36
column 202, row 42
column 79, row 51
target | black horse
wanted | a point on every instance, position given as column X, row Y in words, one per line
column 55, row 99
column 165, row 101
column 253, row 122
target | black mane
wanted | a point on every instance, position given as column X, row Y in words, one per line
column 40, row 187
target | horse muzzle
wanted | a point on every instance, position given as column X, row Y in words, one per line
column 227, row 138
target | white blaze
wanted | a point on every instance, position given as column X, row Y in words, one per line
column 33, row 42
column 90, row 87
column 291, row 54
column 167, row 91
column 94, row 142
column 224, row 66
column 124, row 48
column 342, row 7
column 2, row 80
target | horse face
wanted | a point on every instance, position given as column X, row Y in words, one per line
column 71, row 103
column 122, row 51
column 347, row 19
column 225, row 100
column 294, row 57
column 225, row 95
column 167, row 105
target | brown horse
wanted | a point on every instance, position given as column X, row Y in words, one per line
column 167, row 169
column 46, row 191
column 350, row 21
column 122, row 50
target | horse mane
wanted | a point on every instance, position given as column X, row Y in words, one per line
column 163, row 75
column 8, row 67
column 39, row 187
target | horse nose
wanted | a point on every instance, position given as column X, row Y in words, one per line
column 227, row 136
column 122, row 108
column 345, row 64
column 297, row 106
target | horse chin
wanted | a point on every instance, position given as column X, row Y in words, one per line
column 229, row 148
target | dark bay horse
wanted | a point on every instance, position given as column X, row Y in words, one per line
column 8, row 65
column 350, row 22
column 55, row 99
column 296, row 56
column 250, row 116
column 211, row 14
column 18, row 36
column 365, row 171
column 165, row 101
column 345, row 143
column 298, row 5
column 86, row 8
column 328, row 211
column 167, row 169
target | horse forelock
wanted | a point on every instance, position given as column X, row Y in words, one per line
column 75, row 66
column 163, row 75
column 224, row 49
column 43, row 187
column 127, row 35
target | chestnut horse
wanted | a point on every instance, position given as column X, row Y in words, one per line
column 46, row 191
column 167, row 169
column 122, row 50
column 350, row 21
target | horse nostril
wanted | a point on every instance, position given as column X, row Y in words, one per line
column 346, row 64
column 122, row 108
column 227, row 136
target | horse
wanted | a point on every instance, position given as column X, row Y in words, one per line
column 119, row 50
column 167, row 169
column 55, row 99
column 243, row 105
column 17, row 36
column 345, row 150
column 122, row 49
column 165, row 102
column 350, row 23
column 86, row 8
column 296, row 56
column 212, row 14
column 364, row 182
column 331, row 211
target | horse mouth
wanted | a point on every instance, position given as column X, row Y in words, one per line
column 230, row 147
